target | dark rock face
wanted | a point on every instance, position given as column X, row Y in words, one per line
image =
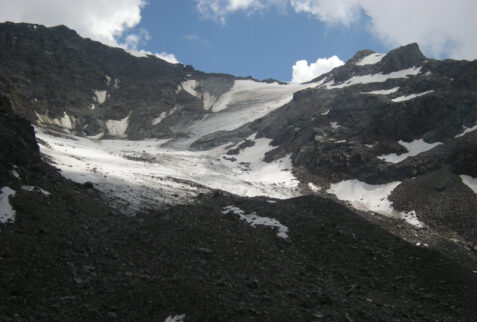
column 53, row 71
column 17, row 140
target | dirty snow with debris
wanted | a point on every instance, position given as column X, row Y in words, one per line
column 367, row 197
column 414, row 148
column 254, row 220
column 470, row 182
column 143, row 174
column 410, row 97
column 7, row 213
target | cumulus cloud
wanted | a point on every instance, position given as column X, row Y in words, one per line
column 220, row 9
column 442, row 28
column 333, row 12
column 304, row 72
column 107, row 21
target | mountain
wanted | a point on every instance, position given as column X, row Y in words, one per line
column 350, row 197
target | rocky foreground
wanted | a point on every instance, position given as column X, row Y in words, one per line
column 69, row 257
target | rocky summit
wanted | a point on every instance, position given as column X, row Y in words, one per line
column 136, row 189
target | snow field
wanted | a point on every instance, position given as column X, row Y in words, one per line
column 366, row 197
column 254, row 220
column 414, row 148
column 142, row 174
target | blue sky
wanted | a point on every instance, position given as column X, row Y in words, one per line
column 261, row 44
column 277, row 39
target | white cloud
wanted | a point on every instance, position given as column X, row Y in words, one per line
column 336, row 11
column 304, row 72
column 442, row 28
column 102, row 20
column 107, row 21
column 220, row 9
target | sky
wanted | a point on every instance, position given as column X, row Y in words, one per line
column 287, row 40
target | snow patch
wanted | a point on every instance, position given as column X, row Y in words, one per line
column 66, row 122
column 175, row 318
column 15, row 174
column 36, row 189
column 335, row 125
column 374, row 78
column 100, row 96
column 470, row 182
column 96, row 137
column 466, row 130
column 325, row 113
column 371, row 59
column 7, row 213
column 313, row 187
column 382, row 91
column 414, row 148
column 118, row 127
column 410, row 97
column 366, row 197
column 163, row 115
column 159, row 119
column 253, row 219
column 189, row 86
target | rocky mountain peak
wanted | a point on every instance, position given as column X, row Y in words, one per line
column 403, row 57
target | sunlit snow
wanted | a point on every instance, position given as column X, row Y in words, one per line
column 470, row 182
column 410, row 97
column 7, row 213
column 374, row 78
column 367, row 197
column 254, row 220
column 118, row 127
column 371, row 59
column 245, row 102
column 142, row 174
column 466, row 130
column 313, row 187
column 414, row 148
column 382, row 91
column 100, row 96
